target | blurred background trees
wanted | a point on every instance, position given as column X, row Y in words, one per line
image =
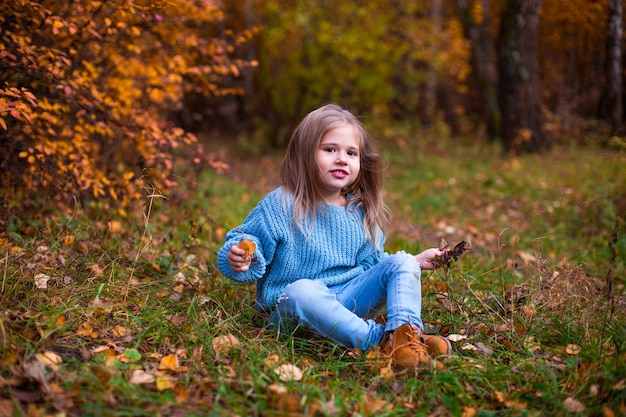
column 87, row 90
column 95, row 94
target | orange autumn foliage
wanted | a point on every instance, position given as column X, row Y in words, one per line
column 87, row 89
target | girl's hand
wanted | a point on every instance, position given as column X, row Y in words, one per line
column 238, row 260
column 426, row 257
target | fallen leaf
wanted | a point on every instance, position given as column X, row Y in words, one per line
column 520, row 405
column 326, row 408
column 164, row 382
column 386, row 372
column 445, row 330
column 120, row 331
column 456, row 337
column 224, row 343
column 573, row 405
column 182, row 395
column 35, row 372
column 484, row 349
column 68, row 240
column 376, row 359
column 520, row 328
column 467, row 411
column 49, row 359
column 527, row 258
column 528, row 311
column 106, row 353
column 220, row 232
column 289, row 372
column 572, row 349
column 169, row 363
column 284, row 400
column 445, row 301
column 248, row 246
column 499, row 396
column 86, row 329
column 176, row 320
column 114, row 226
column 141, row 377
column 469, row 346
column 374, row 406
column 61, row 319
column 607, row 412
column 41, row 281
column 97, row 270
column 619, row 385
column 272, row 360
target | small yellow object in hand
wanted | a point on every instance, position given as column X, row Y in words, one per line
column 248, row 246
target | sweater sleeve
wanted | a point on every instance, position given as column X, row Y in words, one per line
column 261, row 228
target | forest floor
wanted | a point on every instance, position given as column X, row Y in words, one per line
column 123, row 312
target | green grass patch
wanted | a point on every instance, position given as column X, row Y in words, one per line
column 111, row 312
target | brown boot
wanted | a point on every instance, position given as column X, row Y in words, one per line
column 436, row 345
column 406, row 349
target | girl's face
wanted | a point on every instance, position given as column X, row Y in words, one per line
column 339, row 161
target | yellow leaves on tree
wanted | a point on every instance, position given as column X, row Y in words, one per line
column 88, row 90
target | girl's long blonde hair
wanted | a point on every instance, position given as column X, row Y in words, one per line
column 300, row 174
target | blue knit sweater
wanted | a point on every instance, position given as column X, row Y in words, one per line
column 334, row 251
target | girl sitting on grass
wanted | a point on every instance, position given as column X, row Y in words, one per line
column 317, row 245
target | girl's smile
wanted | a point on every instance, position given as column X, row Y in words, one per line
column 339, row 173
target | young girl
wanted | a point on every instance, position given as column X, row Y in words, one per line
column 319, row 261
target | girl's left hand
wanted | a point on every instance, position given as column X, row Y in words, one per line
column 424, row 258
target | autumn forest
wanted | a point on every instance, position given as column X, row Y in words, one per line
column 135, row 133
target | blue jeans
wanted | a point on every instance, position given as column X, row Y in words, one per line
column 344, row 312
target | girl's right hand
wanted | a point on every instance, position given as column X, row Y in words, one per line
column 238, row 260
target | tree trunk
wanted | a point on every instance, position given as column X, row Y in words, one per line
column 612, row 107
column 431, row 82
column 519, row 95
column 478, row 30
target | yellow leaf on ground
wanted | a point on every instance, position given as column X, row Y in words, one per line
column 114, row 226
column 169, row 363
column 120, row 331
column 164, row 382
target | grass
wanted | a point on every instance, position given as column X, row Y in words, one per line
column 134, row 316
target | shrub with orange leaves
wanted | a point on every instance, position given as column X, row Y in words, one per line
column 86, row 89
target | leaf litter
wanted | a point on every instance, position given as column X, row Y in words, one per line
column 550, row 293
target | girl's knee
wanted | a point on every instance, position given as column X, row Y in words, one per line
column 301, row 288
column 403, row 261
column 302, row 291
